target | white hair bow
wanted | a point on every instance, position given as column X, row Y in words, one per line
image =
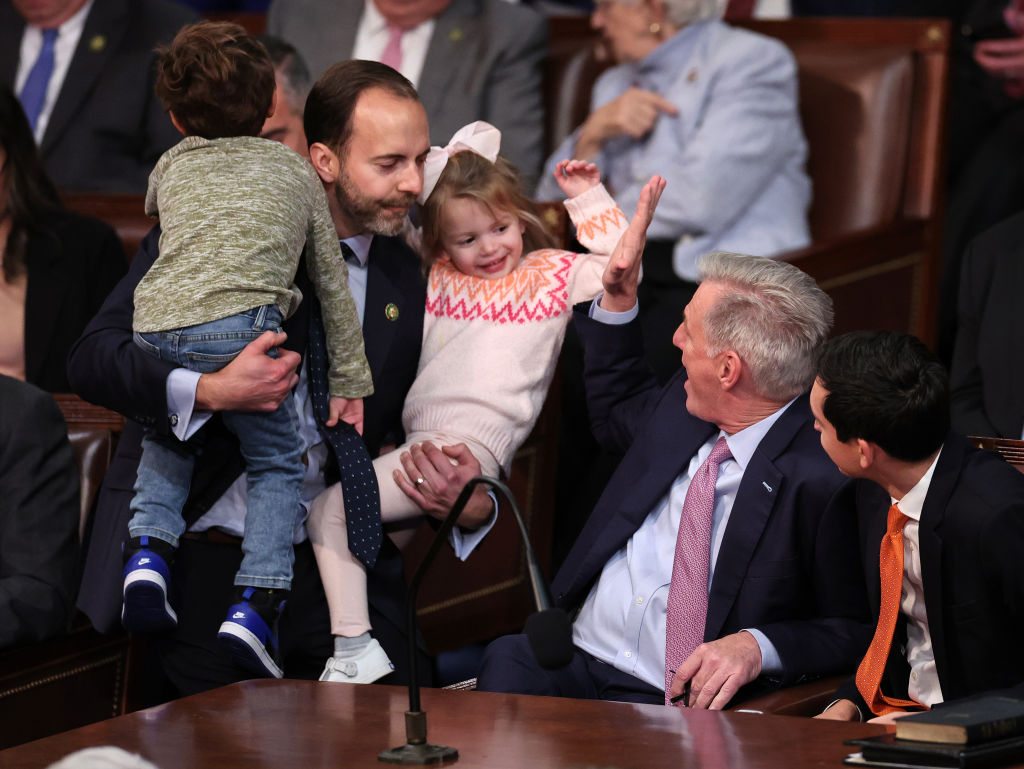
column 479, row 137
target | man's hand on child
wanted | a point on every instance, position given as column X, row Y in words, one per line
column 253, row 381
column 347, row 410
column 575, row 177
column 444, row 472
column 622, row 274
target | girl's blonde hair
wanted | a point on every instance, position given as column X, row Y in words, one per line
column 496, row 186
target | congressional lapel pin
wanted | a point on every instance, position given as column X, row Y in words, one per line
column 691, row 76
column 456, row 35
column 97, row 43
column 767, row 487
column 391, row 311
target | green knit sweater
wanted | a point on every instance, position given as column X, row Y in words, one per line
column 234, row 215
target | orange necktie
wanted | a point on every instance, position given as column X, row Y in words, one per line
column 890, row 567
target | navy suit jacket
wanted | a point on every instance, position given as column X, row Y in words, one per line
column 106, row 367
column 107, row 128
column 971, row 537
column 788, row 561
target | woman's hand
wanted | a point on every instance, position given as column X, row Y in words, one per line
column 633, row 114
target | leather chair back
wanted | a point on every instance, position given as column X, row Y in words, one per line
column 93, row 432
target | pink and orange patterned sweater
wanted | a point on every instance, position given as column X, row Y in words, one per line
column 490, row 346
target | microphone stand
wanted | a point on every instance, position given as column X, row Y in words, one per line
column 416, row 749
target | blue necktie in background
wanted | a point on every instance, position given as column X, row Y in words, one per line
column 33, row 92
column 358, row 480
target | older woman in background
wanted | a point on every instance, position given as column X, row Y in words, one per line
column 713, row 109
column 56, row 267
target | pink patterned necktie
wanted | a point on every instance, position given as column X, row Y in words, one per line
column 392, row 55
column 688, row 591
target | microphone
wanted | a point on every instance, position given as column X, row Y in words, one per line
column 548, row 630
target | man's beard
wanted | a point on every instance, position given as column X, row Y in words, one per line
column 369, row 213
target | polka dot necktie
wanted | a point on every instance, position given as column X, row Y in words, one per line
column 688, row 591
column 358, row 480
column 872, row 667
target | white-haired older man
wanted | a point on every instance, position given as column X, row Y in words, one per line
column 714, row 110
column 718, row 561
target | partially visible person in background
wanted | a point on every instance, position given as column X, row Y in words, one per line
column 84, row 73
column 57, row 267
column 293, row 84
column 988, row 357
column 39, row 514
column 468, row 59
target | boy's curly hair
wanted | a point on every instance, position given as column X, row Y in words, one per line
column 216, row 79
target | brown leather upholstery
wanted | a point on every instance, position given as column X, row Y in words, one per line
column 853, row 102
column 93, row 432
column 873, row 102
column 1009, row 449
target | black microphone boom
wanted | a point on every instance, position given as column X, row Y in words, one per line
column 549, row 631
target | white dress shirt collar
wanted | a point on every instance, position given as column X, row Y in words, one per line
column 913, row 501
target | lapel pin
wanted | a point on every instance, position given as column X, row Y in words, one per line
column 455, row 35
column 97, row 43
column 769, row 488
column 691, row 76
column 391, row 311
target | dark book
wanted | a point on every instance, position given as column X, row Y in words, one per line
column 888, row 750
column 980, row 720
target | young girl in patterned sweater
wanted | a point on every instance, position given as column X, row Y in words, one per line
column 498, row 304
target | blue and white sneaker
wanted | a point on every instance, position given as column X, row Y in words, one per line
column 250, row 632
column 146, row 578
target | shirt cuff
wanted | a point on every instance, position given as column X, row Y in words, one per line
column 181, row 402
column 612, row 318
column 465, row 542
column 771, row 663
column 860, row 716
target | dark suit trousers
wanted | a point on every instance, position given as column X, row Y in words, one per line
column 509, row 666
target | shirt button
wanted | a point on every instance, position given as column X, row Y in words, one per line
column 628, row 655
column 913, row 676
column 174, row 419
column 639, row 599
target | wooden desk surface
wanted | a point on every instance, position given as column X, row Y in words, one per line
column 309, row 725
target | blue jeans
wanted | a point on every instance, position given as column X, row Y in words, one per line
column 269, row 443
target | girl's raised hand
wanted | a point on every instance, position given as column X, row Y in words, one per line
column 575, row 177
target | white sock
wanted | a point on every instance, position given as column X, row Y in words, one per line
column 349, row 647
